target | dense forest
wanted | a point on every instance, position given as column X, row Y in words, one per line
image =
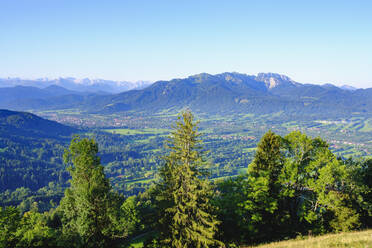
column 294, row 186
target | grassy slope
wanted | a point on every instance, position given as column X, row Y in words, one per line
column 361, row 239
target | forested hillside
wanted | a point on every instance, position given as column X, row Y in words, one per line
column 294, row 186
column 31, row 151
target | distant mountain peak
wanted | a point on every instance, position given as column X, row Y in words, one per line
column 273, row 80
column 81, row 85
column 234, row 76
column 200, row 77
column 329, row 86
column 348, row 87
column 274, row 75
column 54, row 86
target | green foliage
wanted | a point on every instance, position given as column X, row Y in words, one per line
column 34, row 231
column 129, row 216
column 231, row 193
column 366, row 195
column 360, row 189
column 186, row 218
column 294, row 185
column 88, row 205
column 263, row 187
column 30, row 230
column 314, row 174
column 254, row 199
column 32, row 150
column 9, row 223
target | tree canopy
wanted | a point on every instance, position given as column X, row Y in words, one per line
column 184, row 194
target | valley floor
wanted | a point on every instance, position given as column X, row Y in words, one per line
column 361, row 239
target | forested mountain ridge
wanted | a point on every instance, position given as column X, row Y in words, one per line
column 30, row 150
column 30, row 97
column 240, row 93
column 30, row 125
column 11, row 94
column 223, row 93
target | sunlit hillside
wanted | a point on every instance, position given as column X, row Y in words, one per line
column 362, row 239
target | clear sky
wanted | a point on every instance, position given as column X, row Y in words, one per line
column 310, row 41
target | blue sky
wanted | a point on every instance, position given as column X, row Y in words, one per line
column 310, row 41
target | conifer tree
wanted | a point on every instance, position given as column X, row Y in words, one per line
column 262, row 189
column 268, row 157
column 186, row 218
column 88, row 202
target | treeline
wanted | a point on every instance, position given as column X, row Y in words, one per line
column 294, row 186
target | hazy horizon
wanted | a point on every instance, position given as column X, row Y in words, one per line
column 81, row 80
column 313, row 42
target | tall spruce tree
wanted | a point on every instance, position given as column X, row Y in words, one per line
column 262, row 188
column 268, row 157
column 88, row 202
column 186, row 218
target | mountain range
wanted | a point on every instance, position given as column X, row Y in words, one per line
column 221, row 93
column 79, row 85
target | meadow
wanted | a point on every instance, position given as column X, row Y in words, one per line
column 358, row 239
